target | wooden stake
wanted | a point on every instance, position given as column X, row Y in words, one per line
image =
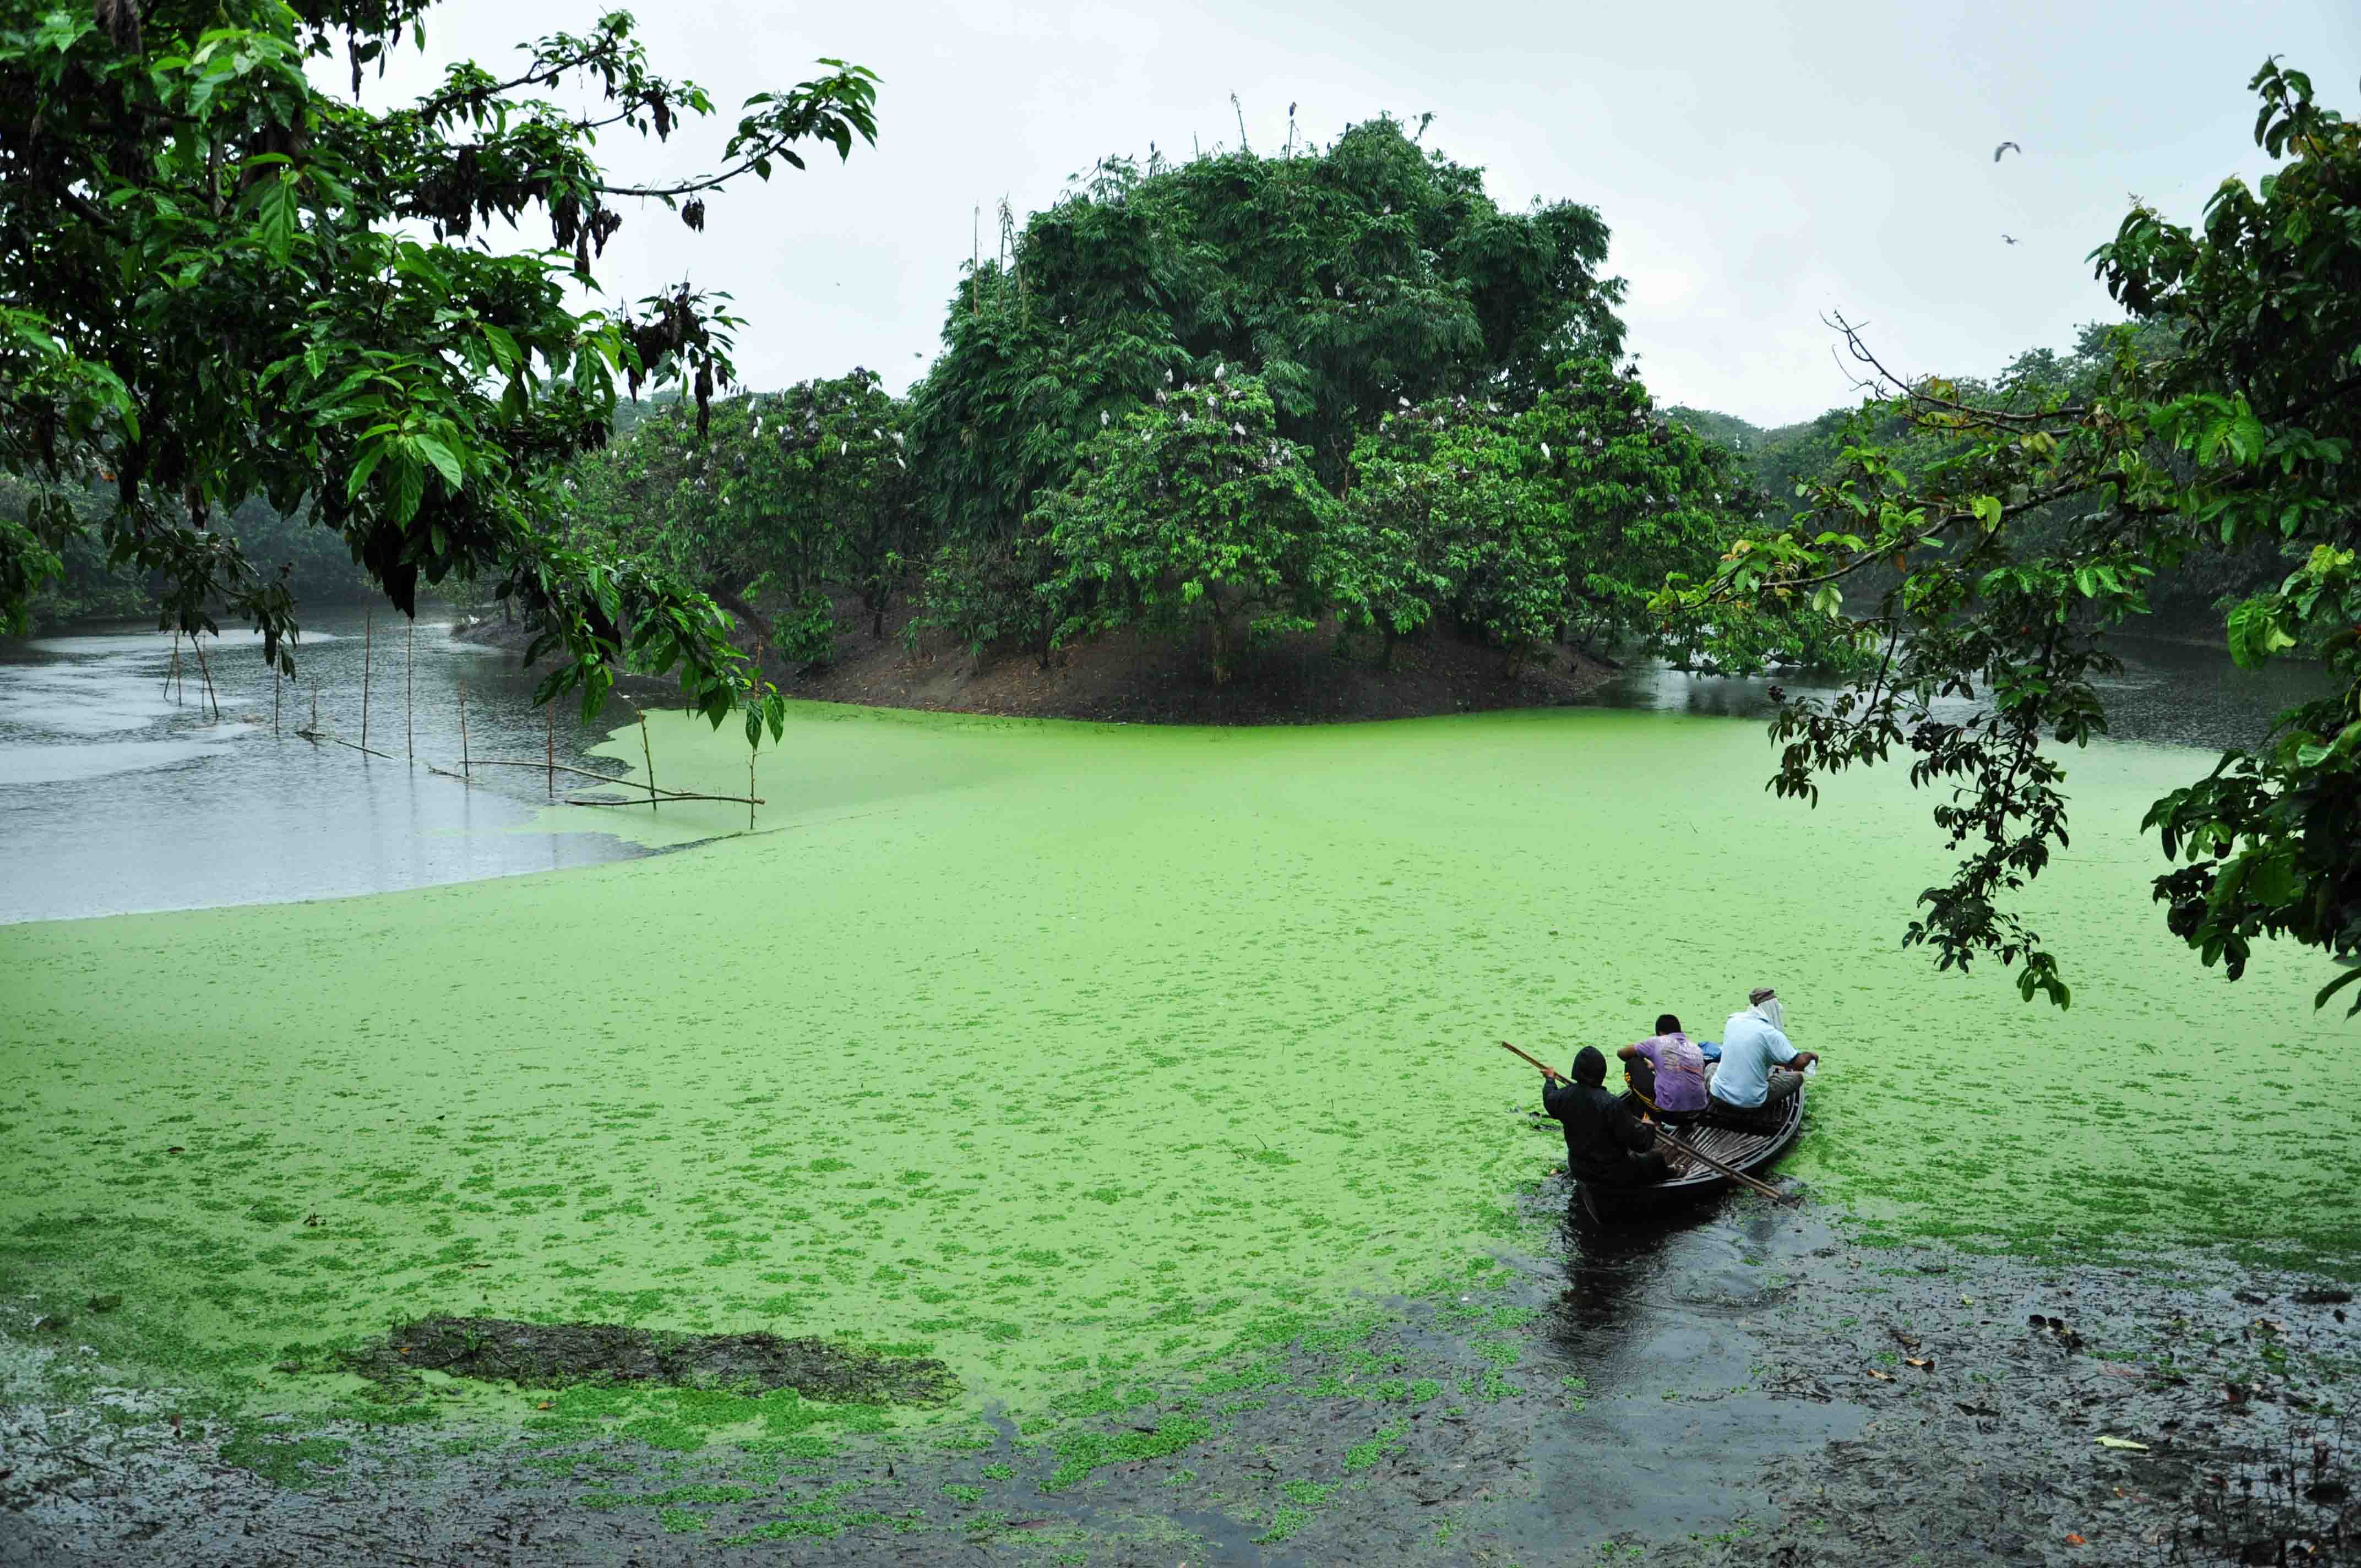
column 752, row 751
column 315, row 704
column 553, row 748
column 466, row 770
column 409, row 665
column 174, row 667
column 205, row 671
column 729, row 799
column 650, row 759
column 368, row 647
column 278, row 683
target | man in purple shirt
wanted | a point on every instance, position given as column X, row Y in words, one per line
column 1668, row 1070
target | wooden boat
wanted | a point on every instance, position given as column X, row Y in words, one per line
column 1748, row 1151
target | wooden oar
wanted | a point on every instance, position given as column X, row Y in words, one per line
column 1695, row 1153
column 1547, row 1071
column 1708, row 1160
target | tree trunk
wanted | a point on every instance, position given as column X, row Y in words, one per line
column 745, row 612
column 1219, row 626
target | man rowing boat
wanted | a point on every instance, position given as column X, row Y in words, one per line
column 1605, row 1142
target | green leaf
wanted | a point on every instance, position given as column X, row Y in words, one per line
column 280, row 217
column 1987, row 511
column 446, row 464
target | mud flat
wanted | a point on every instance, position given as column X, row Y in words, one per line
column 1753, row 1388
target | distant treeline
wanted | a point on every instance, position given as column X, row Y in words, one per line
column 1334, row 389
column 2186, row 599
column 319, row 567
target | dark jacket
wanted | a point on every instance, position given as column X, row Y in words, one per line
column 1601, row 1134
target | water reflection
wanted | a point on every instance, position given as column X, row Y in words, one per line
column 120, row 790
column 2170, row 694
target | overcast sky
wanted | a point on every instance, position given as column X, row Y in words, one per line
column 1760, row 164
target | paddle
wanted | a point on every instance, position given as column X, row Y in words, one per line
column 1695, row 1153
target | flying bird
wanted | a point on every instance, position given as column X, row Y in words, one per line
column 2007, row 147
column 2010, row 238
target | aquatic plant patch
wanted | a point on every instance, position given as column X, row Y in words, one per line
column 1069, row 1056
column 546, row 1355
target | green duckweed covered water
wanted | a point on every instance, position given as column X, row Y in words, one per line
column 1070, row 1052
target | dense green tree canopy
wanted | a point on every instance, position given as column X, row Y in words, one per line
column 1192, row 512
column 220, row 282
column 1551, row 522
column 2037, row 535
column 784, row 496
column 1345, row 279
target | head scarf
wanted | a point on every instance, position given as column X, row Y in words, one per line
column 1765, row 1006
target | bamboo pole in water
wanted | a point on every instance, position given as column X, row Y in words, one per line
column 315, row 704
column 206, row 670
column 751, row 753
column 277, row 685
column 465, row 771
column 369, row 648
column 409, row 665
column 553, row 748
column 586, row 773
column 650, row 759
column 174, row 667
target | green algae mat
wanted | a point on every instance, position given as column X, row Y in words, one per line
column 1064, row 1052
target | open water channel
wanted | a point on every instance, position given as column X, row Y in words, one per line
column 121, row 791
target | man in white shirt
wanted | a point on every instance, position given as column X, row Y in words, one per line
column 1760, row 1070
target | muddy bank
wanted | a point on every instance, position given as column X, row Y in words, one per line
column 1751, row 1387
column 542, row 1356
column 1130, row 679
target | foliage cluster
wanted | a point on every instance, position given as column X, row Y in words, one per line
column 1349, row 277
column 223, row 281
column 782, row 496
